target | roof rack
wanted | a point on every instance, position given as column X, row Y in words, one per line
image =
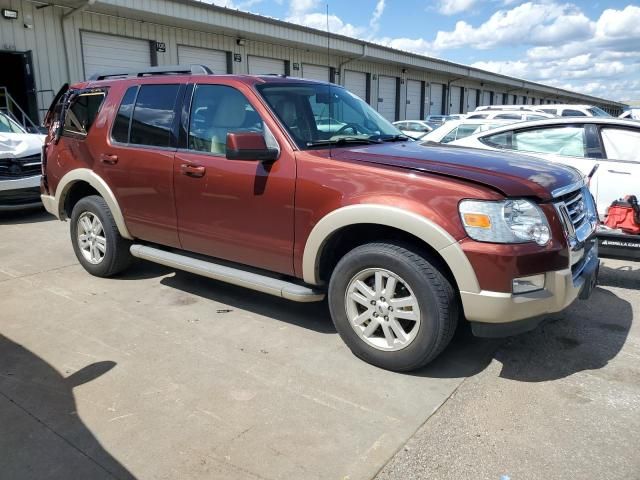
column 162, row 70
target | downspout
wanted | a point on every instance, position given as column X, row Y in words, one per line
column 67, row 16
column 341, row 65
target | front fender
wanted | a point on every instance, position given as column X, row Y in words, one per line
column 417, row 225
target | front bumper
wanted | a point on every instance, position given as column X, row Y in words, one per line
column 20, row 193
column 494, row 314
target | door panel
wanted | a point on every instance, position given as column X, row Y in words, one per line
column 454, row 99
column 236, row 210
column 356, row 83
column 139, row 169
column 265, row 66
column 414, row 96
column 216, row 60
column 387, row 97
column 436, row 99
column 101, row 52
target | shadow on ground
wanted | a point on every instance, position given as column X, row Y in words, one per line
column 32, row 215
column 42, row 435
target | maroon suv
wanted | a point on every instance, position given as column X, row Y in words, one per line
column 300, row 189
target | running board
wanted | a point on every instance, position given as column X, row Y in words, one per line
column 234, row 276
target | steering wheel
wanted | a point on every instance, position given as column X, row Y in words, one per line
column 354, row 128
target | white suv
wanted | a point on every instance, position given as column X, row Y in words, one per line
column 574, row 110
column 509, row 114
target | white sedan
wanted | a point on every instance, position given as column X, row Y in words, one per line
column 413, row 128
column 20, row 166
column 457, row 129
column 612, row 144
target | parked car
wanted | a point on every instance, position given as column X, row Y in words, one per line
column 435, row 120
column 574, row 110
column 20, row 166
column 582, row 143
column 405, row 240
column 457, row 129
column 456, row 116
column 631, row 114
column 414, row 128
column 523, row 108
column 522, row 115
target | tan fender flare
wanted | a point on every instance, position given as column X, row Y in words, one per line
column 428, row 231
column 93, row 179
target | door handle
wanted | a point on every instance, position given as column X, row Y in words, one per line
column 619, row 172
column 192, row 170
column 108, row 159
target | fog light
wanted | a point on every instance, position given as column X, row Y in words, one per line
column 528, row 284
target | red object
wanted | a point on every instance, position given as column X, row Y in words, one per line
column 624, row 215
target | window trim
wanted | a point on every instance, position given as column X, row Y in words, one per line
column 113, row 122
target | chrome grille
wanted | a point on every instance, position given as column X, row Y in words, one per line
column 578, row 213
column 576, row 208
column 12, row 168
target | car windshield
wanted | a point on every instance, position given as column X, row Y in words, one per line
column 9, row 126
column 598, row 112
column 323, row 114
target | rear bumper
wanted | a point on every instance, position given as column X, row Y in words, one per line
column 20, row 193
column 495, row 314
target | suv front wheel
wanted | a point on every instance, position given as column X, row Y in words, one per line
column 391, row 306
column 96, row 240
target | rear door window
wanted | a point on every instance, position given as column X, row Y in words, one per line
column 621, row 144
column 82, row 113
column 153, row 115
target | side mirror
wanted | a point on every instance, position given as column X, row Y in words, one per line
column 250, row 146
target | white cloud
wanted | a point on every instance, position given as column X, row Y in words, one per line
column 451, row 7
column 374, row 23
column 301, row 7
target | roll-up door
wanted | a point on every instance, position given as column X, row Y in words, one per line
column 497, row 98
column 485, row 99
column 356, row 83
column 454, row 99
column 472, row 99
column 414, row 97
column 265, row 66
column 216, row 60
column 104, row 53
column 387, row 97
column 315, row 72
column 436, row 99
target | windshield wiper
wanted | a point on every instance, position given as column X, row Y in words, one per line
column 394, row 138
column 343, row 141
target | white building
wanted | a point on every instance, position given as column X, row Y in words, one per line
column 46, row 44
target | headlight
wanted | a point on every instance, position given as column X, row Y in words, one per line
column 506, row 221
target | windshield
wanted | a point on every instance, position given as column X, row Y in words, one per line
column 9, row 126
column 598, row 112
column 321, row 114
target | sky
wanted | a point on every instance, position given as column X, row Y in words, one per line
column 592, row 47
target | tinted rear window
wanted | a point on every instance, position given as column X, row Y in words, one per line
column 153, row 115
column 82, row 113
column 120, row 132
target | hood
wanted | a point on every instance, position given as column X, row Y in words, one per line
column 513, row 175
column 18, row 145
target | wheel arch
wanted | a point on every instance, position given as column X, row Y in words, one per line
column 83, row 178
column 411, row 225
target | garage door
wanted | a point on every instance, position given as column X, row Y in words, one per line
column 454, row 99
column 103, row 53
column 315, row 72
column 414, row 97
column 497, row 98
column 265, row 66
column 485, row 98
column 216, row 60
column 387, row 97
column 436, row 99
column 472, row 99
column 356, row 82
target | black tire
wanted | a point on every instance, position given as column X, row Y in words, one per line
column 116, row 256
column 436, row 298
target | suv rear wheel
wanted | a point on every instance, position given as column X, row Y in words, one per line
column 96, row 240
column 391, row 306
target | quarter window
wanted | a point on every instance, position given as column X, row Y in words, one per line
column 153, row 115
column 215, row 111
column 82, row 113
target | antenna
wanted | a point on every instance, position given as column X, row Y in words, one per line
column 329, row 69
